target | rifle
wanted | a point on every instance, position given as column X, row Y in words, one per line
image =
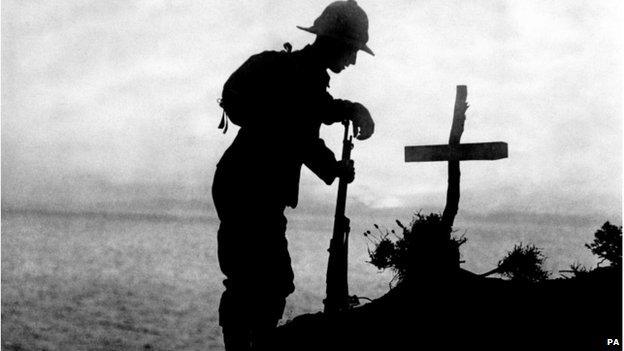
column 338, row 298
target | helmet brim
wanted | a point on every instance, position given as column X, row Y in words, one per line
column 362, row 47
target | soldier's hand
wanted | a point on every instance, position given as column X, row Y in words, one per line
column 363, row 124
column 346, row 171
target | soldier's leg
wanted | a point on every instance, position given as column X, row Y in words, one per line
column 229, row 200
column 234, row 317
column 253, row 255
column 275, row 281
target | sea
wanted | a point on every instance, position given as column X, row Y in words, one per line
column 137, row 281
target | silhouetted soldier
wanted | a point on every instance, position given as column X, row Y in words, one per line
column 280, row 100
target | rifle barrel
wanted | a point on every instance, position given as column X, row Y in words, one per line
column 337, row 285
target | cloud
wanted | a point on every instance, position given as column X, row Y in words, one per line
column 125, row 92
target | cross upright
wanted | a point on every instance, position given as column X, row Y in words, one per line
column 454, row 152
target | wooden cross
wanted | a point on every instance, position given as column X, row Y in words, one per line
column 453, row 152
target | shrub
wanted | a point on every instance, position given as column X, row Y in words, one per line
column 426, row 240
column 523, row 263
column 579, row 270
column 607, row 244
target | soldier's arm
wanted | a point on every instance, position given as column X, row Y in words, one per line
column 335, row 110
column 321, row 161
column 338, row 110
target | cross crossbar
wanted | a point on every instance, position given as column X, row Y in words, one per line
column 453, row 153
column 458, row 152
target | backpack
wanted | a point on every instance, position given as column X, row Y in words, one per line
column 246, row 83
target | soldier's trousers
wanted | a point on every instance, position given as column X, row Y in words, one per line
column 253, row 255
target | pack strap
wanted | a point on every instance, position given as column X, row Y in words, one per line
column 224, row 123
column 224, row 120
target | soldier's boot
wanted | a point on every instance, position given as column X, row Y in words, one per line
column 265, row 323
column 236, row 338
column 262, row 336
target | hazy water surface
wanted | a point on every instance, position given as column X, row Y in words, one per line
column 123, row 282
column 116, row 282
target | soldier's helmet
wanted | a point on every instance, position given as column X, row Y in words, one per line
column 343, row 20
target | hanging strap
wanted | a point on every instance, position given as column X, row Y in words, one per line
column 224, row 120
column 224, row 123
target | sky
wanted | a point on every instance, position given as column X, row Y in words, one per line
column 112, row 105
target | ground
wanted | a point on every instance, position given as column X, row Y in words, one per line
column 471, row 312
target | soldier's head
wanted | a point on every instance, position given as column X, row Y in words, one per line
column 342, row 30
